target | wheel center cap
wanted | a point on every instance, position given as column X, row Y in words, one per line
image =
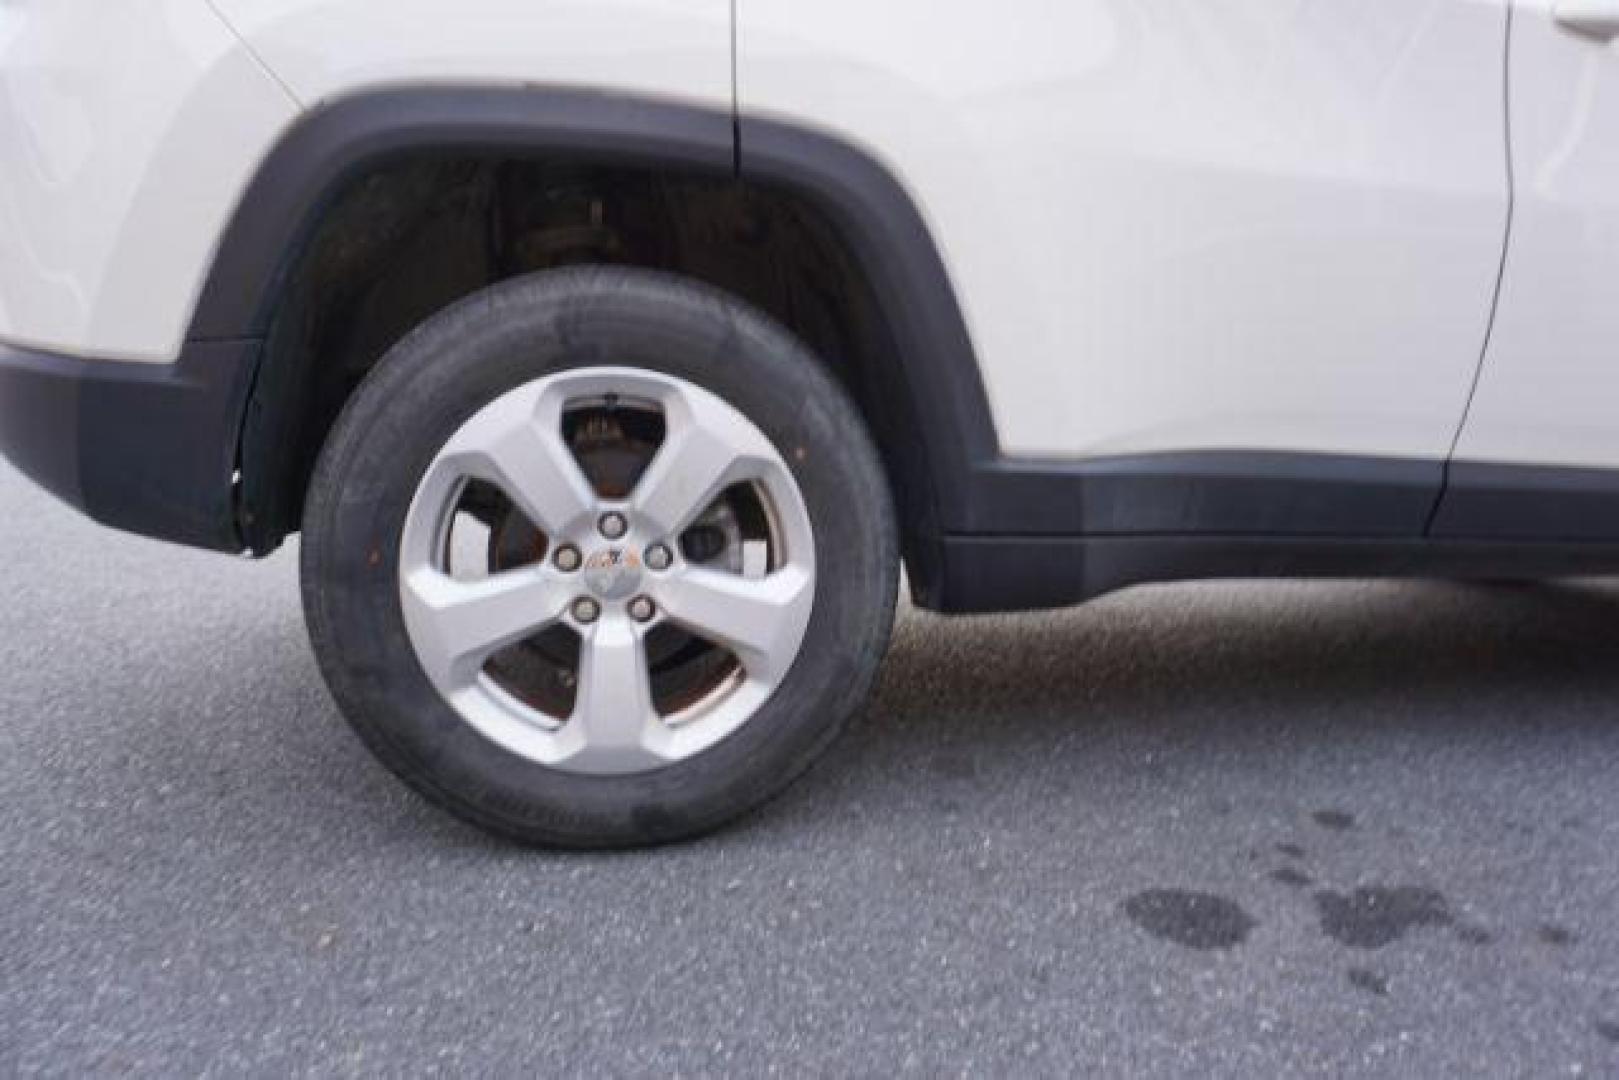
column 613, row 573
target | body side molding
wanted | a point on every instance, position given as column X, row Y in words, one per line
column 1528, row 503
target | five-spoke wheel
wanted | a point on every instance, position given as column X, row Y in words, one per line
column 599, row 557
column 617, row 576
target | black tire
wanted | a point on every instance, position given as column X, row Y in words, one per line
column 457, row 361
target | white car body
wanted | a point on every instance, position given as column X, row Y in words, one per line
column 1385, row 229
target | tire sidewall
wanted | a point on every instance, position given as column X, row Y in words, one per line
column 429, row 384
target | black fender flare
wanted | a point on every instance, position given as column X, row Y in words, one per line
column 867, row 207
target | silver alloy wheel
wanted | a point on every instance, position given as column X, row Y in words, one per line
column 516, row 443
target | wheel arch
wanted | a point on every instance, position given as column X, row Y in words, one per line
column 920, row 386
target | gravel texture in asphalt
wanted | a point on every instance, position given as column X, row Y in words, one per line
column 1210, row 829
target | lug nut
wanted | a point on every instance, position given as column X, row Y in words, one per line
column 658, row 557
column 613, row 525
column 586, row 610
column 642, row 609
column 566, row 558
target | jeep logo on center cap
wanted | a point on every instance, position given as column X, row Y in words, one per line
column 613, row 573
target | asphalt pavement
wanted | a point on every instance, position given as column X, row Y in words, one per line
column 1208, row 829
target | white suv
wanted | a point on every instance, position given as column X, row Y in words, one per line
column 610, row 356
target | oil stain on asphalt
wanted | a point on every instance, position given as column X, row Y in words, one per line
column 1336, row 820
column 1366, row 918
column 1292, row 877
column 1559, row 937
column 1194, row 919
column 1369, row 981
column 1374, row 916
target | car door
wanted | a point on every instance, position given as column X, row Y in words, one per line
column 1538, row 454
column 1185, row 225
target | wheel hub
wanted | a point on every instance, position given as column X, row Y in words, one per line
column 613, row 573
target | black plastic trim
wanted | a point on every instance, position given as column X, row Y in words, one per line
column 1215, row 491
column 1019, row 573
column 146, row 447
column 1529, row 502
column 886, row 235
column 335, row 140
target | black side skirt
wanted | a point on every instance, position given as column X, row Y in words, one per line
column 1017, row 573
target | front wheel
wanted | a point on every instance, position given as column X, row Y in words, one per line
column 599, row 557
